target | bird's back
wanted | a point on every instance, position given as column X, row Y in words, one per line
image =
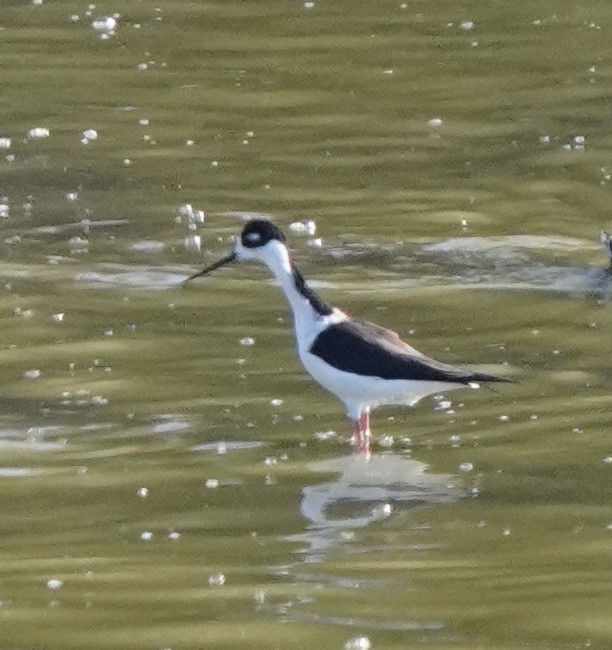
column 366, row 349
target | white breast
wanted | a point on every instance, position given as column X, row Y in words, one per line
column 360, row 392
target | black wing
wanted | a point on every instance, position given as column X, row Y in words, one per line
column 365, row 348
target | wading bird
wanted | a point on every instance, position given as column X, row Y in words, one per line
column 362, row 364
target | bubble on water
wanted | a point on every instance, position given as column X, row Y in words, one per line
column 90, row 134
column 189, row 143
column 186, row 210
column 307, row 228
column 247, row 340
column 276, row 402
column 544, row 139
column 315, row 243
column 466, row 466
column 54, row 584
column 212, row 483
column 39, row 132
column 506, row 532
column 173, row 535
column 503, row 418
column 466, row 25
column 58, row 318
column 297, row 228
column 216, row 580
column 309, row 4
column 386, row 441
column 260, row 597
column 127, row 162
column 5, row 143
column 435, row 121
column 607, row 460
column 142, row 492
column 324, row 435
column 270, row 461
column 105, row 25
column 579, row 139
column 388, row 71
column 72, row 196
column 193, row 243
column 32, row 373
column 146, row 536
column 455, row 440
column 78, row 244
column 358, row 643
column 382, row 511
column 148, row 246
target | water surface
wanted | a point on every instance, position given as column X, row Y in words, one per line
column 170, row 477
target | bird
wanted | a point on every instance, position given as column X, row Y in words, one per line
column 363, row 364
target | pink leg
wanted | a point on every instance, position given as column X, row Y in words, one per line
column 361, row 434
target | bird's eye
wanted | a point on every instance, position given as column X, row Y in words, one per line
column 253, row 237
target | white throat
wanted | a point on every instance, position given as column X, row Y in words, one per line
column 305, row 305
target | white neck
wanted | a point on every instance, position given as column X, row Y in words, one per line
column 308, row 321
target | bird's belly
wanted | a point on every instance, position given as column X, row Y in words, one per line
column 367, row 390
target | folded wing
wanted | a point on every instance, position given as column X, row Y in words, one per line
column 364, row 348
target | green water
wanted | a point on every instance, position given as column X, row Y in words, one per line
column 146, row 450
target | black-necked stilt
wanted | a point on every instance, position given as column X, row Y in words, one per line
column 363, row 364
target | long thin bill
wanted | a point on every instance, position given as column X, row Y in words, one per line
column 222, row 262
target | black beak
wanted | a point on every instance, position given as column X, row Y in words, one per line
column 222, row 262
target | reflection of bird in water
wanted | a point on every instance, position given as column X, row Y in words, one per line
column 606, row 240
column 364, row 490
column 363, row 364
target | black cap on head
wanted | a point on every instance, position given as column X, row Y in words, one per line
column 258, row 232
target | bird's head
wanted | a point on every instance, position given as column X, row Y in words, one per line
column 260, row 241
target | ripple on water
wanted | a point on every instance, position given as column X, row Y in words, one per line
column 169, row 424
column 30, row 440
column 148, row 246
column 141, row 278
column 376, row 624
column 222, row 447
column 18, row 472
column 511, row 244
